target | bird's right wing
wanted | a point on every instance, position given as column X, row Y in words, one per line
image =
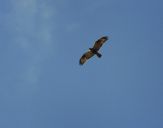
column 100, row 42
column 85, row 57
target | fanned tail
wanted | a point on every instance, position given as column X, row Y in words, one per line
column 98, row 55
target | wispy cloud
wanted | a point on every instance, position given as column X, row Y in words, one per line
column 32, row 26
column 33, row 20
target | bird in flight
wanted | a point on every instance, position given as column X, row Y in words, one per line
column 94, row 50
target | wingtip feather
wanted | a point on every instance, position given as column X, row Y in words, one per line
column 80, row 63
column 106, row 37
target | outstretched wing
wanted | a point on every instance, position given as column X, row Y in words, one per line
column 85, row 57
column 100, row 42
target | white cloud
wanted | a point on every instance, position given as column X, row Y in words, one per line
column 32, row 28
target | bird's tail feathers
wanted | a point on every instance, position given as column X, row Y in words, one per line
column 98, row 55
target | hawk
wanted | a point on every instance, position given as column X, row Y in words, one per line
column 92, row 51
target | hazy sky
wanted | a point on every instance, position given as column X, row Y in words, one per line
column 42, row 84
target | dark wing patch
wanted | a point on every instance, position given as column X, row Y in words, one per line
column 85, row 57
column 100, row 42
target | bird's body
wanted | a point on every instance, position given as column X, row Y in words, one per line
column 93, row 51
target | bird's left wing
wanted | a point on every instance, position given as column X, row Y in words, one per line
column 85, row 57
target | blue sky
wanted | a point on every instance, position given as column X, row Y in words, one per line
column 42, row 84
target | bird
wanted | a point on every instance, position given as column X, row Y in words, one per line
column 94, row 50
